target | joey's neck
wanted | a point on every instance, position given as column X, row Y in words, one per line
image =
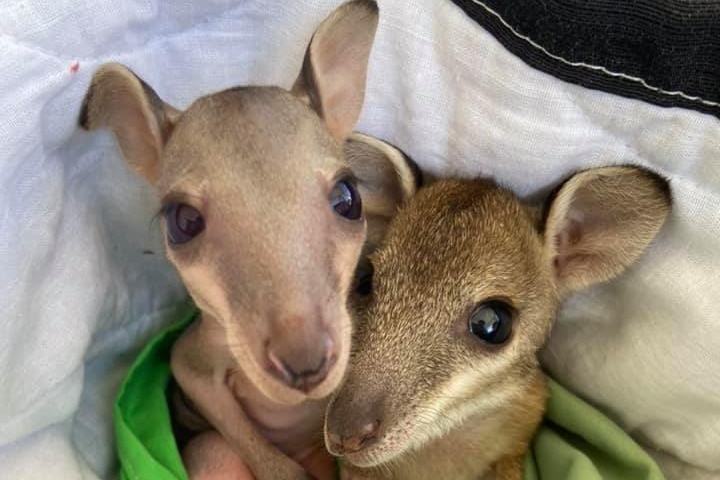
column 295, row 428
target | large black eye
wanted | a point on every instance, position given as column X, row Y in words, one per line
column 183, row 223
column 491, row 322
column 345, row 200
column 364, row 275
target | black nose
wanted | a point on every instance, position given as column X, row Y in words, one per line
column 304, row 365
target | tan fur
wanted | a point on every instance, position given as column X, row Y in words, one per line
column 509, row 469
column 447, row 404
column 271, row 270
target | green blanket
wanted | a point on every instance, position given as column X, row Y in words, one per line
column 575, row 442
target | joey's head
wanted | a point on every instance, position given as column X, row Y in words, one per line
column 263, row 214
column 466, row 286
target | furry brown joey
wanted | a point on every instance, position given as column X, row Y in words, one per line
column 444, row 381
column 267, row 200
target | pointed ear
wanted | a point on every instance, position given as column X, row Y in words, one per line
column 600, row 221
column 334, row 71
column 386, row 178
column 140, row 121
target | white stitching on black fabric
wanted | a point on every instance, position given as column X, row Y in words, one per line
column 598, row 68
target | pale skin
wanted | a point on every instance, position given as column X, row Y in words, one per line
column 224, row 464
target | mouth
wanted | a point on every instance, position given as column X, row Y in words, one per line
column 293, row 391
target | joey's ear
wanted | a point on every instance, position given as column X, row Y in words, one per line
column 334, row 71
column 386, row 178
column 140, row 121
column 600, row 221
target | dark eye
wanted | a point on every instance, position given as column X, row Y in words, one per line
column 183, row 223
column 491, row 322
column 364, row 274
column 345, row 200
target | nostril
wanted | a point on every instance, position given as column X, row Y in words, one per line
column 279, row 368
column 369, row 433
column 369, row 430
column 366, row 435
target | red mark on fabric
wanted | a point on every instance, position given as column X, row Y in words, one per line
column 74, row 66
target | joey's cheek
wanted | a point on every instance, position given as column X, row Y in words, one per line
column 207, row 290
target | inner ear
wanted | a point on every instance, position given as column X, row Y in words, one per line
column 140, row 121
column 600, row 221
column 334, row 69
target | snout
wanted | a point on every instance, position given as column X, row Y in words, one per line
column 303, row 367
column 356, row 439
column 301, row 352
column 352, row 427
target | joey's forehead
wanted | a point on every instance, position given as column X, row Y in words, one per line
column 282, row 173
column 458, row 252
column 250, row 158
column 257, row 130
column 459, row 261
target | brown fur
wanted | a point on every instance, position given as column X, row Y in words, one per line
column 271, row 270
column 449, row 405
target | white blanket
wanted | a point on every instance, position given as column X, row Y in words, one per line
column 81, row 267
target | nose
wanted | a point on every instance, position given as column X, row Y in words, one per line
column 361, row 437
column 301, row 363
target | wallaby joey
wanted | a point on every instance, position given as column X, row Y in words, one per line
column 444, row 381
column 265, row 220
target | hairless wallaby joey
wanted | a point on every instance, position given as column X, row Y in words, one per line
column 261, row 200
column 443, row 380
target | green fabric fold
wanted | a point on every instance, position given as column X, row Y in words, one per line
column 145, row 442
column 577, row 442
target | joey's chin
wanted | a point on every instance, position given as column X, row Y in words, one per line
column 260, row 378
column 269, row 387
column 281, row 393
column 374, row 456
column 363, row 459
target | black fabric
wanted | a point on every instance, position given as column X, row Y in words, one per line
column 672, row 45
